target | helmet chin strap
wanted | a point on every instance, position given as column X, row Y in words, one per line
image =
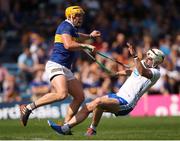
column 73, row 21
column 153, row 64
column 71, row 18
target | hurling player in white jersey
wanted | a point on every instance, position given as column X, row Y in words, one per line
column 145, row 74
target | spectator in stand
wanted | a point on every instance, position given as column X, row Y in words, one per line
column 40, row 57
column 16, row 17
column 118, row 83
column 105, row 49
column 175, row 54
column 98, row 43
column 26, row 64
column 91, row 80
column 3, row 74
column 3, row 43
column 36, row 41
column 38, row 86
column 123, row 57
column 118, row 44
column 3, row 19
column 146, row 43
column 10, row 89
column 164, row 44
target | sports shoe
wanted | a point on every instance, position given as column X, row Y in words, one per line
column 90, row 132
column 60, row 123
column 24, row 112
column 55, row 127
column 69, row 133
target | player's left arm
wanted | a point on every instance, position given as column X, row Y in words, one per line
column 126, row 72
column 141, row 69
column 93, row 34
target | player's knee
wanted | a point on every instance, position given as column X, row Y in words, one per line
column 87, row 108
column 80, row 99
column 97, row 101
column 61, row 95
column 92, row 105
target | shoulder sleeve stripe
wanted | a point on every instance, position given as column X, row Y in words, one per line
column 58, row 38
column 75, row 39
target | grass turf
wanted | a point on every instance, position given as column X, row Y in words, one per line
column 121, row 128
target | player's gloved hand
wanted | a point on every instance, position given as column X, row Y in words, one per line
column 89, row 47
column 95, row 34
column 115, row 74
column 132, row 50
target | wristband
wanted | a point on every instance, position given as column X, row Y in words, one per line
column 86, row 47
column 91, row 37
column 135, row 60
column 135, row 57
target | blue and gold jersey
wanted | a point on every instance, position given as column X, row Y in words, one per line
column 60, row 54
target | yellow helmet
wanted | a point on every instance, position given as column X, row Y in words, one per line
column 73, row 10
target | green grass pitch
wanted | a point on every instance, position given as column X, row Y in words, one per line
column 120, row 128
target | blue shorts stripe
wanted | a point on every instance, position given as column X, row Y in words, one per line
column 124, row 106
column 121, row 100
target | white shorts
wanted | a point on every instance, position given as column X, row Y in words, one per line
column 52, row 69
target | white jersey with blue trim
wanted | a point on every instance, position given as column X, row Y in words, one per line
column 136, row 85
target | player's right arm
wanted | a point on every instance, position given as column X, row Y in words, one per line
column 70, row 44
column 141, row 69
column 65, row 35
column 126, row 72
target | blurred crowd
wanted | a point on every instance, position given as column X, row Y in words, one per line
column 27, row 29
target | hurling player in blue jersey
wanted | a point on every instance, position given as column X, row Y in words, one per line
column 59, row 65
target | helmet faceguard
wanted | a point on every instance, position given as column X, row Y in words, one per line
column 156, row 55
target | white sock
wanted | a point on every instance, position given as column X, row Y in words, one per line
column 31, row 106
column 93, row 127
column 65, row 128
column 28, row 107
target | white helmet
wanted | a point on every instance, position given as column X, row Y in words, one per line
column 157, row 56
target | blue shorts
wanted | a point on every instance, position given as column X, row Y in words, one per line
column 122, row 102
